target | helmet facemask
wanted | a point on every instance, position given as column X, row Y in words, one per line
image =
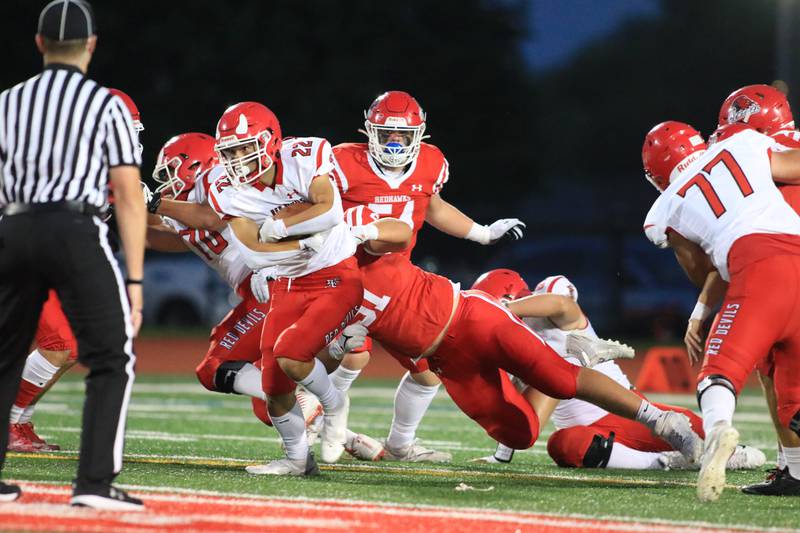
column 166, row 174
column 389, row 152
column 237, row 167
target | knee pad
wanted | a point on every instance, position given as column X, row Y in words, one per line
column 794, row 423
column 599, row 451
column 226, row 375
column 710, row 381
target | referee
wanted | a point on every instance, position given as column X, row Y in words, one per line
column 63, row 139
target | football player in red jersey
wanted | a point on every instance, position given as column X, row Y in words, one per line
column 396, row 174
column 55, row 353
column 767, row 110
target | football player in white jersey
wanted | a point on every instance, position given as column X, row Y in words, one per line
column 729, row 227
column 312, row 283
column 587, row 436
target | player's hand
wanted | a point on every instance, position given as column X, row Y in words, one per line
column 259, row 286
column 314, row 242
column 272, row 230
column 694, row 340
column 508, row 228
column 147, row 193
column 154, row 202
column 354, row 336
column 367, row 232
column 136, row 302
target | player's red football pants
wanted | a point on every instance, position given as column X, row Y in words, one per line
column 54, row 332
column 483, row 342
column 761, row 309
column 305, row 314
column 568, row 446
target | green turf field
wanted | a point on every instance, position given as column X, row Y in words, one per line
column 180, row 435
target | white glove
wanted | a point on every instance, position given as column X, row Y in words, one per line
column 592, row 351
column 272, row 230
column 367, row 232
column 148, row 194
column 314, row 242
column 510, row 228
column 354, row 336
column 258, row 284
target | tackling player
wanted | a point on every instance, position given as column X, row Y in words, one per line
column 396, row 174
column 725, row 220
column 586, row 436
column 55, row 353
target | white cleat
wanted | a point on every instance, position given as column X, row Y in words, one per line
column 592, row 351
column 489, row 459
column 743, row 458
column 363, row 447
column 416, row 453
column 286, row 467
column 312, row 412
column 720, row 445
column 676, row 429
column 334, row 432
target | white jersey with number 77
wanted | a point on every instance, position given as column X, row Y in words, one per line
column 725, row 194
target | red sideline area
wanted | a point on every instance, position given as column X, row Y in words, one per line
column 44, row 508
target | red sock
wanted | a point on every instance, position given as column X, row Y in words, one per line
column 27, row 392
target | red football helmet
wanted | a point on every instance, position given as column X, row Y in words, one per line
column 182, row 160
column 134, row 111
column 727, row 131
column 253, row 125
column 503, row 284
column 395, row 126
column 763, row 107
column 668, row 149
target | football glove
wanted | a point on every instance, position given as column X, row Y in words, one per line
column 272, row 230
column 259, row 286
column 506, row 228
column 354, row 336
column 591, row 351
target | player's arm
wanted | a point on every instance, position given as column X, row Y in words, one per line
column 191, row 214
column 447, row 218
column 388, row 235
column 246, row 231
column 164, row 239
column 563, row 311
column 785, row 166
column 324, row 214
column 694, row 261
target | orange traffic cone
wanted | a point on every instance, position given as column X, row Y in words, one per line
column 666, row 369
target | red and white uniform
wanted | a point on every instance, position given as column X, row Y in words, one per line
column 405, row 196
column 726, row 202
column 316, row 293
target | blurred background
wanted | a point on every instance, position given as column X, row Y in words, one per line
column 540, row 106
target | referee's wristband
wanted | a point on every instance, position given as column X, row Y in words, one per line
column 129, row 281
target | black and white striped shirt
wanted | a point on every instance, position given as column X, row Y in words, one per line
column 60, row 132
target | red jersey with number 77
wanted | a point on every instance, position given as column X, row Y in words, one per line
column 406, row 196
column 723, row 195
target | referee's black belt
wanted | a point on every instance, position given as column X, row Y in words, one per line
column 73, row 206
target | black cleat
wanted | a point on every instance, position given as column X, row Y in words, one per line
column 108, row 499
column 778, row 483
column 9, row 493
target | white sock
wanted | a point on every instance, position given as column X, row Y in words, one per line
column 717, row 404
column 624, row 457
column 38, row 370
column 343, row 378
column 292, row 429
column 319, row 384
column 781, row 460
column 792, row 456
column 27, row 414
column 503, row 453
column 248, row 382
column 648, row 414
column 15, row 414
column 411, row 401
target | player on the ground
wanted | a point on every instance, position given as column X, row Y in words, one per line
column 55, row 353
column 313, row 284
column 398, row 175
column 767, row 110
column 586, row 436
column 734, row 235
column 472, row 342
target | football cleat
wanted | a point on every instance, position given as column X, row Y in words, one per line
column 37, row 441
column 312, row 412
column 334, row 432
column 363, row 447
column 743, row 458
column 778, row 483
column 416, row 453
column 592, row 351
column 18, row 440
column 286, row 467
column 109, row 499
column 8, row 492
column 720, row 445
column 489, row 459
column 676, row 429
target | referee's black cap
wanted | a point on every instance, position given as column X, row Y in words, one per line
column 66, row 20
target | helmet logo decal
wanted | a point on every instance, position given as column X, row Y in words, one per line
column 742, row 109
column 241, row 128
